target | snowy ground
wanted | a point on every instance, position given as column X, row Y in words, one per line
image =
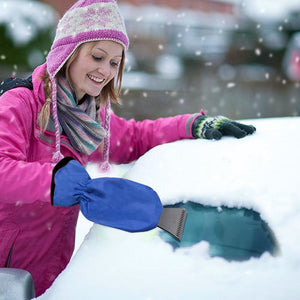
column 259, row 172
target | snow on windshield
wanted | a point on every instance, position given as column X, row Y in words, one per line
column 260, row 172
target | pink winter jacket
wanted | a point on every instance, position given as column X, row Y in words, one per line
column 40, row 235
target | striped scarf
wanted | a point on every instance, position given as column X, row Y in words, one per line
column 78, row 120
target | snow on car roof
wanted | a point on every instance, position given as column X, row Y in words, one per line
column 259, row 171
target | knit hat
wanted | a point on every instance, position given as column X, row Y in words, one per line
column 85, row 21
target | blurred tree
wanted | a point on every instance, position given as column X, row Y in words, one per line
column 26, row 34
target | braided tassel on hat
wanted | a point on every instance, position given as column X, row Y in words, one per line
column 57, row 156
column 105, row 165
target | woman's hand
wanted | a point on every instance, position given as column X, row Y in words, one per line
column 114, row 202
column 215, row 127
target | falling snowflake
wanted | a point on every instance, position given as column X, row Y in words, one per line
column 230, row 85
column 126, row 92
column 12, row 119
column 257, row 51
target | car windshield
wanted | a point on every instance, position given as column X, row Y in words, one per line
column 232, row 233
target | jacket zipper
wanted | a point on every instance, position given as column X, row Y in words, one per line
column 7, row 264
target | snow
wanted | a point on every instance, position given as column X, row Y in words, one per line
column 259, row 171
column 30, row 16
column 269, row 10
column 24, row 18
column 164, row 15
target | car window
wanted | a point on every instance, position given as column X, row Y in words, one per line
column 232, row 233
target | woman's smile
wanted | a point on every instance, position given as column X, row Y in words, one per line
column 95, row 79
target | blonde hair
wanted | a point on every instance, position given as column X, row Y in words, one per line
column 110, row 92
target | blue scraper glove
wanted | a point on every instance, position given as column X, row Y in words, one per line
column 114, row 202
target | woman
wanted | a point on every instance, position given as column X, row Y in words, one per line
column 67, row 114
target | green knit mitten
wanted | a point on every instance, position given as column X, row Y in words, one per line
column 215, row 127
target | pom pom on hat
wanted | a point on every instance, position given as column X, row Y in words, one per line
column 85, row 21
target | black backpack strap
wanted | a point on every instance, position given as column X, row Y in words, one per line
column 12, row 82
